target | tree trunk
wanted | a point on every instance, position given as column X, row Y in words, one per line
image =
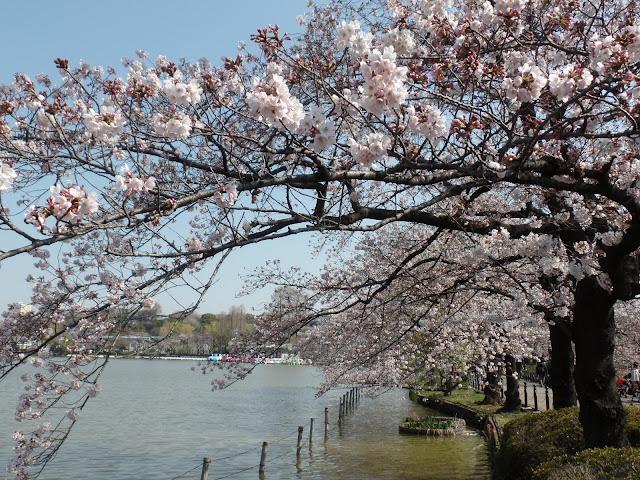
column 492, row 390
column 602, row 415
column 448, row 386
column 562, row 365
column 512, row 397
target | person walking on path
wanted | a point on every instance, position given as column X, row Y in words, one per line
column 635, row 374
column 541, row 370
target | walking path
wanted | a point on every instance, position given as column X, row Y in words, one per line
column 629, row 400
column 541, row 394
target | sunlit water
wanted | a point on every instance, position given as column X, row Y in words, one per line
column 157, row 419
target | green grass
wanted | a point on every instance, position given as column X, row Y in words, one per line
column 473, row 399
column 428, row 423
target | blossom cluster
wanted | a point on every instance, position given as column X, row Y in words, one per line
column 316, row 125
column 106, row 125
column 7, row 176
column 142, row 85
column 70, row 205
column 231, row 191
column 603, row 51
column 130, row 184
column 506, row 5
column 350, row 36
column 401, row 39
column 270, row 101
column 630, row 37
column 527, row 85
column 610, row 53
column 373, row 150
column 176, row 125
column 27, row 448
column 383, row 81
column 180, row 93
column 428, row 121
column 565, row 83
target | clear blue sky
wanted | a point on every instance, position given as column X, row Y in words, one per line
column 101, row 33
column 34, row 33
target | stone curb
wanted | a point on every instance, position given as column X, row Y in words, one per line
column 487, row 424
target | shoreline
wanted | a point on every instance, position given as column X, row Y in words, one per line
column 200, row 358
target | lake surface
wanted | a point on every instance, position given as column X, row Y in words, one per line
column 157, row 419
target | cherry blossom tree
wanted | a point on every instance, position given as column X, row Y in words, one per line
column 411, row 306
column 513, row 120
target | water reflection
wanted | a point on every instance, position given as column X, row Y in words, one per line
column 158, row 419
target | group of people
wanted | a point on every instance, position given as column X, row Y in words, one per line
column 628, row 385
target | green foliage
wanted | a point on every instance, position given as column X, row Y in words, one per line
column 633, row 426
column 429, row 423
column 208, row 318
column 593, row 464
column 532, row 439
column 535, row 445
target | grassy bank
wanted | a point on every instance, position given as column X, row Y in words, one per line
column 549, row 445
column 472, row 399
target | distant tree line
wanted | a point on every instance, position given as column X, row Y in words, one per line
column 151, row 332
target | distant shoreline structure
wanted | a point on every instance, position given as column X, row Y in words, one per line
column 215, row 358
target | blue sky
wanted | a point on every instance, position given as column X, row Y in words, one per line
column 102, row 33
column 36, row 32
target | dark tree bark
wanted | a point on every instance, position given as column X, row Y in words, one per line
column 449, row 385
column 512, row 397
column 602, row 415
column 562, row 365
column 492, row 390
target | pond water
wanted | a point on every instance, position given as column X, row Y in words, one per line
column 157, row 419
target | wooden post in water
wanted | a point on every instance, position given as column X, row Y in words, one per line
column 326, row 419
column 311, row 430
column 299, row 446
column 353, row 403
column 341, row 410
column 205, row 468
column 263, row 458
